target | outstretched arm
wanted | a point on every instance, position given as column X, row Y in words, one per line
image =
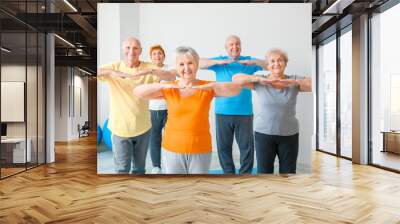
column 246, row 80
column 167, row 75
column 305, row 84
column 258, row 62
column 104, row 72
column 206, row 63
column 249, row 80
column 227, row 89
column 224, row 89
column 151, row 91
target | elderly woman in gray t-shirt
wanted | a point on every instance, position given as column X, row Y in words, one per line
column 276, row 129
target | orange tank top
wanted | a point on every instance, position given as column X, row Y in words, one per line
column 188, row 128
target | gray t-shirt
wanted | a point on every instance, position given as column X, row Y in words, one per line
column 277, row 110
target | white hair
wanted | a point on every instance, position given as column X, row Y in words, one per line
column 187, row 51
column 279, row 52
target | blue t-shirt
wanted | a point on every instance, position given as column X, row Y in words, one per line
column 240, row 104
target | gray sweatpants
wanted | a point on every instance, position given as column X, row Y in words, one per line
column 130, row 152
column 180, row 163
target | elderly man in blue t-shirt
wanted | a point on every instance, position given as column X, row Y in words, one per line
column 234, row 115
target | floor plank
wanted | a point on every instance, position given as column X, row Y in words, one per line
column 70, row 191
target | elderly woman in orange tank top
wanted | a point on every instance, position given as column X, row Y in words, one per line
column 187, row 140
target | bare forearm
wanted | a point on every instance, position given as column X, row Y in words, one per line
column 166, row 75
column 261, row 63
column 205, row 63
column 245, row 79
column 148, row 91
column 227, row 89
column 110, row 72
column 104, row 72
column 305, row 85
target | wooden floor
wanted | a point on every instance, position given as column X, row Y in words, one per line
column 70, row 191
column 10, row 171
column 387, row 159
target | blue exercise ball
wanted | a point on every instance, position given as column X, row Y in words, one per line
column 107, row 135
column 99, row 134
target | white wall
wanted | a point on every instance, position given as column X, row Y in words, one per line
column 314, row 83
column 67, row 100
column 16, row 73
column 83, row 83
column 61, row 103
column 12, row 100
column 201, row 27
column 129, row 14
column 50, row 95
column 110, row 34
column 205, row 27
column 33, row 125
column 81, row 104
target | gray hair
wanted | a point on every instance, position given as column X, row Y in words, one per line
column 133, row 39
column 232, row 37
column 187, row 51
column 277, row 51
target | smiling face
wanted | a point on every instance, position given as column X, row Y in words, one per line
column 157, row 57
column 233, row 47
column 276, row 63
column 186, row 66
column 132, row 50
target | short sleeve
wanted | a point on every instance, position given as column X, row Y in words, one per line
column 168, row 93
column 108, row 66
column 151, row 77
column 258, row 68
column 105, row 78
column 255, row 67
column 261, row 73
column 215, row 68
column 212, row 93
column 169, row 68
column 165, row 92
column 298, row 77
column 257, row 86
column 215, row 58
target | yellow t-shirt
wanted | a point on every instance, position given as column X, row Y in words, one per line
column 129, row 115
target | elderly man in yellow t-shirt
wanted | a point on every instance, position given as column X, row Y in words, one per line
column 129, row 119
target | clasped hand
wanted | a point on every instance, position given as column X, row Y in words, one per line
column 187, row 87
column 186, row 90
column 278, row 83
column 125, row 75
column 243, row 62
